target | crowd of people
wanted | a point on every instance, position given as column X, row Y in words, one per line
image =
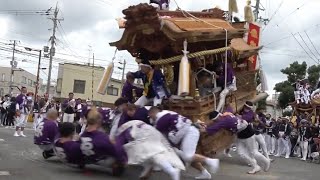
column 133, row 133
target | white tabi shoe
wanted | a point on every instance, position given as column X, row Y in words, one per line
column 255, row 170
column 22, row 135
column 16, row 134
column 267, row 166
column 204, row 175
column 277, row 155
column 287, row 157
column 213, row 165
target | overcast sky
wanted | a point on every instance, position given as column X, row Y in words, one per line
column 93, row 23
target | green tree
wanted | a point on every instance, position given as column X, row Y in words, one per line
column 295, row 71
column 313, row 75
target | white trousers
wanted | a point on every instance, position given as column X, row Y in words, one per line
column 35, row 120
column 304, row 149
column 248, row 150
column 262, row 143
column 283, row 146
column 223, row 95
column 189, row 144
column 22, row 120
column 68, row 117
column 271, row 143
column 143, row 101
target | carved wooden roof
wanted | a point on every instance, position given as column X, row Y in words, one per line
column 160, row 31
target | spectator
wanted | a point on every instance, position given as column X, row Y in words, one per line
column 11, row 112
column 69, row 108
column 21, row 112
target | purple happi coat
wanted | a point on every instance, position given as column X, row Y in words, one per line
column 224, row 122
column 21, row 100
column 105, row 113
column 249, row 116
column 96, row 146
column 127, row 91
column 230, row 76
column 168, row 121
column 46, row 132
column 141, row 114
column 69, row 151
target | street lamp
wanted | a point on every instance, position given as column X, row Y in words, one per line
column 38, row 71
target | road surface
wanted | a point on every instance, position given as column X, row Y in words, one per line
column 21, row 160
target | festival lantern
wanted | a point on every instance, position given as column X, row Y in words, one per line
column 103, row 85
column 184, row 73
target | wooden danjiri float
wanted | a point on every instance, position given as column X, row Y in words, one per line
column 167, row 37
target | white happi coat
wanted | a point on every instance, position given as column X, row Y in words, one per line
column 148, row 143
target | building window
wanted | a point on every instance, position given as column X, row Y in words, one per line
column 79, row 86
column 24, row 80
column 34, row 83
column 30, row 82
column 112, row 91
column 3, row 77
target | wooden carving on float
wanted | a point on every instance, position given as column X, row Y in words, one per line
column 159, row 36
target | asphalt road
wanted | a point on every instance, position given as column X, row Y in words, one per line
column 21, row 160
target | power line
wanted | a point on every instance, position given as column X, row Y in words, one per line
column 304, row 48
column 298, row 8
column 312, row 43
column 273, row 15
column 289, row 36
column 308, row 47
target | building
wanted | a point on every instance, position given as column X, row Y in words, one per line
column 78, row 79
column 273, row 109
column 21, row 78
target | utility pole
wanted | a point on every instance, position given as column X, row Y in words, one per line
column 13, row 65
column 38, row 76
column 123, row 69
column 92, row 77
column 90, row 50
column 257, row 8
column 52, row 49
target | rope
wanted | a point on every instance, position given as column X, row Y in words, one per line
column 191, row 55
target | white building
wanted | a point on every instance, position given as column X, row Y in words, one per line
column 21, row 78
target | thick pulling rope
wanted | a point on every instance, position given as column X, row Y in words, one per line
column 191, row 55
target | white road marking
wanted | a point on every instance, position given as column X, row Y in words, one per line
column 1, row 140
column 4, row 173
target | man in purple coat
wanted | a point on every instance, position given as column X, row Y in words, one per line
column 128, row 87
column 230, row 86
column 181, row 132
column 246, row 143
column 46, row 133
column 21, row 112
column 96, row 145
column 66, row 148
column 135, row 113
